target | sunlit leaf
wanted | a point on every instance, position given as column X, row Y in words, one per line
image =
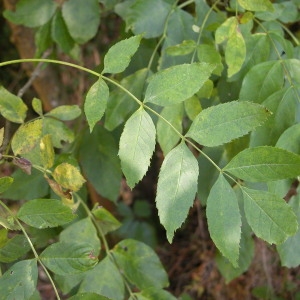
column 37, row 106
column 47, row 151
column 176, row 188
column 137, row 144
column 256, row 5
column 226, row 29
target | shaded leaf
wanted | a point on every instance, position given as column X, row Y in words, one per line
column 68, row 177
column 65, row 112
column 222, row 123
column 177, row 83
column 192, row 107
column 224, row 219
column 186, row 47
column 12, row 107
column 44, row 213
column 140, row 264
column 82, row 19
column 113, row 285
column 26, row 137
column 5, row 183
column 69, row 258
column 209, row 54
column 89, row 296
column 269, row 216
column 137, row 144
column 95, row 102
column 152, row 294
column 32, row 13
column 119, row 55
column 19, row 281
column 176, row 188
column 264, row 164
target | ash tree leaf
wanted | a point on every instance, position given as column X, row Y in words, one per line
column 5, row 183
column 222, row 123
column 19, row 281
column 113, row 285
column 65, row 112
column 224, row 219
column 226, row 29
column 69, row 258
column 32, row 13
column 12, row 107
column 45, row 213
column 265, row 163
column 119, row 55
column 269, row 216
column 96, row 102
column 68, row 177
column 47, row 151
column 176, row 188
column 235, row 52
column 177, row 83
column 26, row 137
column 137, row 144
column 140, row 264
column 256, row 5
column 82, row 19
column 37, row 106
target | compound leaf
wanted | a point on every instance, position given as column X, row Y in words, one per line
column 265, row 163
column 137, row 144
column 176, row 188
column 224, row 219
column 222, row 123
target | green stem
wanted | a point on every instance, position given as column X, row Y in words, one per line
column 32, row 248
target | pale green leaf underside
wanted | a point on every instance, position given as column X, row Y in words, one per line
column 96, row 102
column 176, row 188
column 177, row 83
column 221, row 124
column 265, row 163
column 118, row 56
column 224, row 219
column 269, row 216
column 137, row 144
column 65, row 112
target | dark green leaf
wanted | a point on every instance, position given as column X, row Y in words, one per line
column 224, row 219
column 95, row 102
column 110, row 285
column 19, row 281
column 43, row 213
column 100, row 163
column 264, row 164
column 221, row 124
column 12, row 107
column 178, row 83
column 269, row 216
column 32, row 13
column 82, row 19
column 69, row 258
column 65, row 112
column 119, row 55
column 140, row 264
column 137, row 144
column 176, row 188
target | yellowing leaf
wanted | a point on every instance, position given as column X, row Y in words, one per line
column 1, row 135
column 47, row 151
column 226, row 29
column 68, row 177
column 256, row 5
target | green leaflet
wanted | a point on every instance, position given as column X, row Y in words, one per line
column 226, row 29
column 47, row 151
column 235, row 52
column 12, row 107
column 262, row 164
column 32, row 13
column 5, row 183
column 137, row 144
column 269, row 216
column 113, row 285
column 186, row 47
column 192, row 107
column 89, row 296
column 119, row 55
column 84, row 25
column 221, row 124
column 152, row 294
column 37, row 106
column 140, row 264
column 96, row 102
column 166, row 136
column 65, row 112
column 176, row 188
column 19, row 281
column 142, row 17
column 69, row 258
column 256, row 5
column 224, row 219
column 177, row 83
column 45, row 213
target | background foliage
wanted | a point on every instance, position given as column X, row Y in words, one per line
column 196, row 101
